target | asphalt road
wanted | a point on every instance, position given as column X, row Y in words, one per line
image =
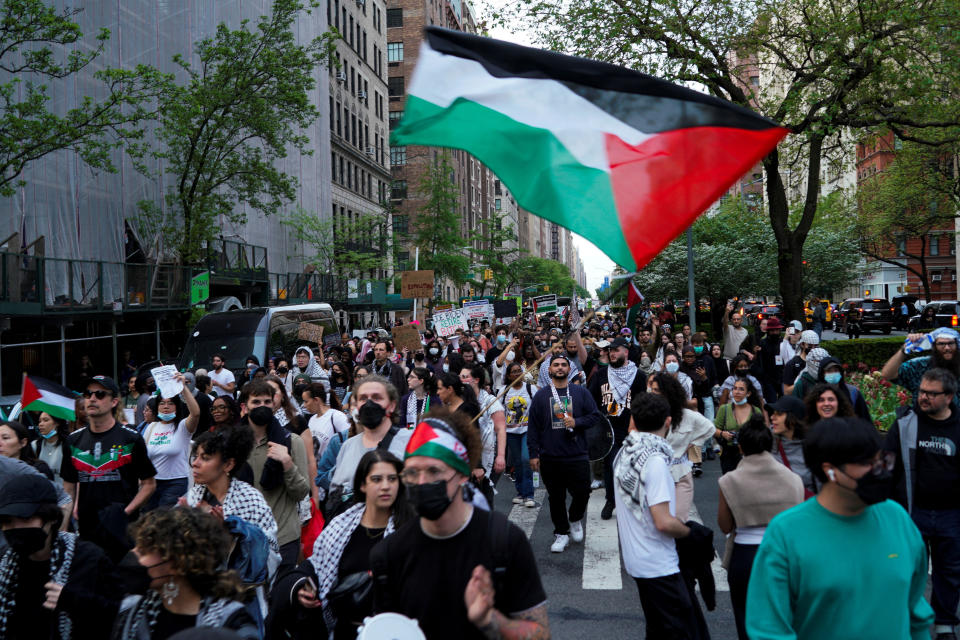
column 589, row 594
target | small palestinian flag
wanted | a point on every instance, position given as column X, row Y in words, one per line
column 634, row 299
column 39, row 394
column 626, row 160
column 433, row 439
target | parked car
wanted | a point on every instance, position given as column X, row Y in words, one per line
column 913, row 308
column 945, row 314
column 762, row 311
column 875, row 313
column 808, row 312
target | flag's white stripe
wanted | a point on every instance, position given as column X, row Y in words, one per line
column 601, row 553
column 54, row 399
column 547, row 104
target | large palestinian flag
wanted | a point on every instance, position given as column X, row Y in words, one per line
column 624, row 159
column 39, row 394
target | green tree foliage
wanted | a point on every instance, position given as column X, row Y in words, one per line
column 348, row 249
column 40, row 46
column 916, row 195
column 493, row 237
column 436, row 227
column 822, row 68
column 542, row 271
column 245, row 105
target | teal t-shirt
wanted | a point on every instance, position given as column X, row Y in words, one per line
column 820, row 575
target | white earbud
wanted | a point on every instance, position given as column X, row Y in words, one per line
column 833, row 476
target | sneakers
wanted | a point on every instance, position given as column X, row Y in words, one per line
column 560, row 543
column 518, row 500
column 596, row 484
column 529, row 503
column 607, row 512
column 576, row 531
column 697, row 469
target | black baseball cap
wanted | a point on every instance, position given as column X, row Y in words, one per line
column 23, row 494
column 789, row 404
column 558, row 356
column 619, row 342
column 106, row 383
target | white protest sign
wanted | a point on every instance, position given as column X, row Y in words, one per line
column 478, row 309
column 166, row 379
column 446, row 323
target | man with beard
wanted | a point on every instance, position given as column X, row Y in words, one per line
column 383, row 366
column 460, row 571
column 733, row 332
column 927, row 471
column 944, row 356
column 613, row 389
column 770, row 361
column 575, row 354
column 556, row 437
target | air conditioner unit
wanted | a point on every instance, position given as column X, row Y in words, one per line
column 371, row 151
column 362, row 94
column 936, row 277
column 360, row 3
column 341, row 76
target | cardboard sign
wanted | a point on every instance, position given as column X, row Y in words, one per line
column 545, row 304
column 312, row 333
column 446, row 323
column 407, row 336
column 505, row 309
column 443, row 307
column 166, row 379
column 416, row 284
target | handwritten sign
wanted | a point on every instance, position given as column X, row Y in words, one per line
column 407, row 337
column 166, row 379
column 416, row 284
column 312, row 333
column 446, row 323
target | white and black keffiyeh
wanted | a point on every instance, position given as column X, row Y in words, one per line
column 328, row 549
column 621, row 379
column 61, row 558
column 144, row 610
column 637, row 449
column 245, row 502
column 416, row 408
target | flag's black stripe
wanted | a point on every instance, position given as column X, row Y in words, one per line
column 652, row 106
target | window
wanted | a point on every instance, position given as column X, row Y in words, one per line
column 364, row 52
column 394, row 52
column 333, row 165
column 755, row 81
column 398, row 156
column 394, row 18
column 395, row 117
column 401, row 224
column 339, row 122
column 496, row 204
column 336, row 14
column 403, row 260
column 934, row 245
column 901, row 246
column 396, row 87
column 398, row 190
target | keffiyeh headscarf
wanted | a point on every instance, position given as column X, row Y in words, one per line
column 313, row 368
column 638, row 448
column 61, row 558
column 814, row 358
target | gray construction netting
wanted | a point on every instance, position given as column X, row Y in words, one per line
column 81, row 213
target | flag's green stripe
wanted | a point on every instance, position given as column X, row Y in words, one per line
column 55, row 410
column 543, row 176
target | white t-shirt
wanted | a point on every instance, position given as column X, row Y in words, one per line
column 732, row 337
column 168, row 447
column 488, row 435
column 225, row 377
column 325, row 427
column 517, row 405
column 647, row 553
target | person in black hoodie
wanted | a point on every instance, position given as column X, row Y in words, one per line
column 52, row 584
column 831, row 372
column 558, row 419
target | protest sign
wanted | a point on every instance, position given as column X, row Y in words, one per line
column 407, row 337
column 416, row 284
column 446, row 323
column 310, row 332
column 166, row 379
column 505, row 309
column 545, row 304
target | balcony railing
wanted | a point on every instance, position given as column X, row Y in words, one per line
column 232, row 259
column 34, row 284
column 295, row 288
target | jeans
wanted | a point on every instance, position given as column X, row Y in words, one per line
column 560, row 477
column 518, row 457
column 708, row 408
column 941, row 533
column 738, row 577
column 167, row 493
column 608, row 469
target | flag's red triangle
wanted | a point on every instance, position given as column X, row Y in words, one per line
column 30, row 393
column 421, row 435
column 633, row 295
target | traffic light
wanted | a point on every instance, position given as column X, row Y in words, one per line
column 488, row 274
column 546, row 287
column 471, row 293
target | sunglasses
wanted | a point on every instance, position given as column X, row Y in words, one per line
column 99, row 393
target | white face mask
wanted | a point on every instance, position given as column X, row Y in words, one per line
column 510, row 356
column 672, row 367
column 446, row 367
column 434, row 351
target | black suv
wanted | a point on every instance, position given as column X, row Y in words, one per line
column 946, row 314
column 875, row 313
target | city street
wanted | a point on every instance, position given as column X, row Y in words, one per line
column 588, row 592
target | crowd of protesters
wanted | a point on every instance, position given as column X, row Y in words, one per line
column 296, row 498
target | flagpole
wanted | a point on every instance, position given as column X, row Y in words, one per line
column 690, row 295
column 549, row 350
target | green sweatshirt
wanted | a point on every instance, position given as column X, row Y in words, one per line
column 820, row 575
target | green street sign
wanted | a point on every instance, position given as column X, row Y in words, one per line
column 200, row 288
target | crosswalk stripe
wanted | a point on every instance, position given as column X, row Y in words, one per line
column 526, row 517
column 601, row 553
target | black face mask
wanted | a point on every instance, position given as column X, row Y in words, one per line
column 27, row 540
column 282, row 370
column 151, row 387
column 261, row 416
column 430, row 499
column 299, row 389
column 741, row 374
column 873, row 488
column 371, row 414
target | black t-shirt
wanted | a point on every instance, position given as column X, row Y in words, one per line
column 107, row 468
column 28, row 619
column 355, row 558
column 618, row 414
column 937, row 464
column 792, row 369
column 170, row 623
column 427, row 577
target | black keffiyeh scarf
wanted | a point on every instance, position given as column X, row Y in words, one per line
column 61, row 557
